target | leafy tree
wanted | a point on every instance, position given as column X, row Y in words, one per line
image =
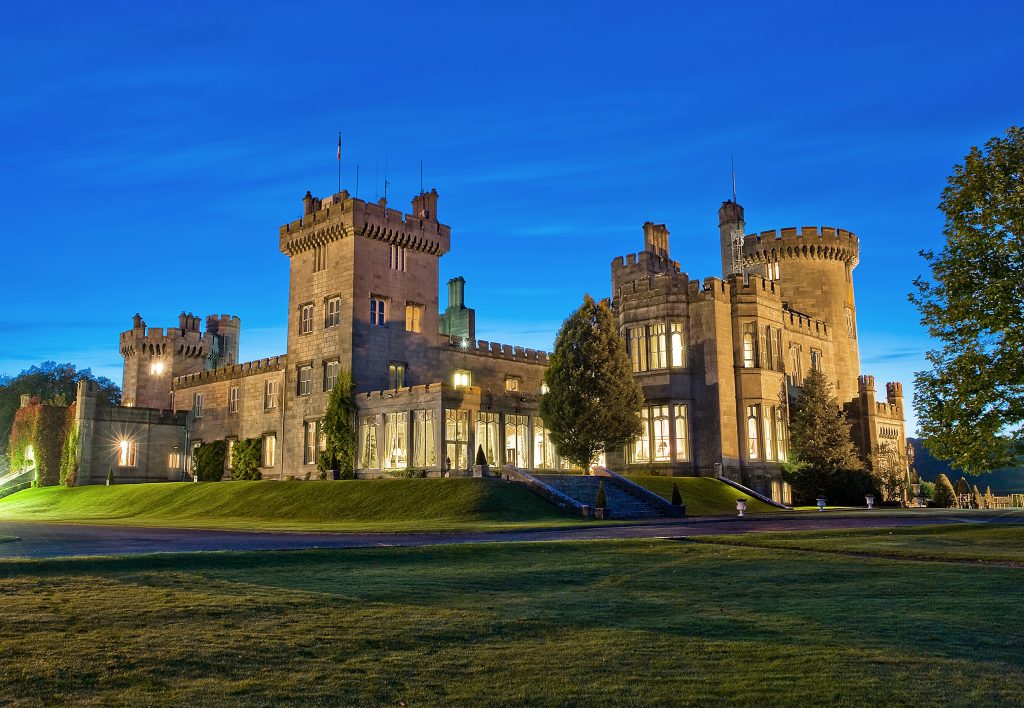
column 245, row 459
column 51, row 383
column 971, row 402
column 209, row 460
column 825, row 460
column 593, row 403
column 339, row 428
column 944, row 495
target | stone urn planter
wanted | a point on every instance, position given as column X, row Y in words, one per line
column 919, row 502
column 481, row 470
column 821, row 503
column 741, row 506
column 870, row 499
column 600, row 512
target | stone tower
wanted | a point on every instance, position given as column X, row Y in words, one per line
column 814, row 268
column 730, row 220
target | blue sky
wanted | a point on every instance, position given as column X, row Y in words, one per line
column 151, row 150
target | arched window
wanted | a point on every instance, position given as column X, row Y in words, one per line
column 753, row 446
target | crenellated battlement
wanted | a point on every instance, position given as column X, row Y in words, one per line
column 642, row 263
column 341, row 215
column 826, row 243
column 495, row 350
column 755, row 285
column 710, row 289
column 235, row 371
column 806, row 324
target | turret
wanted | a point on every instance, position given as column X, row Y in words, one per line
column 656, row 239
column 424, row 205
column 730, row 227
column 894, row 393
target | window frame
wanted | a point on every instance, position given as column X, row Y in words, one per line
column 306, row 322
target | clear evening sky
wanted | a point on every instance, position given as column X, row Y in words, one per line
column 151, row 150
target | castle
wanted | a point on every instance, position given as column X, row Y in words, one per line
column 718, row 360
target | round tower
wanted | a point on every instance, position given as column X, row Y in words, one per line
column 814, row 268
column 730, row 227
column 225, row 329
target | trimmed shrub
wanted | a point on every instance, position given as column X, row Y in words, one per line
column 245, row 459
column 601, row 502
column 408, row 474
column 677, row 498
column 209, row 461
column 481, row 458
column 976, row 498
column 944, row 495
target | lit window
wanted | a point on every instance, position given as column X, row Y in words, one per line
column 796, row 371
column 513, row 383
column 543, row 449
column 396, row 444
column 753, row 446
column 269, row 450
column 368, row 443
column 544, row 388
column 677, row 341
column 305, row 380
column 377, row 311
column 197, row 404
column 333, row 312
column 233, row 399
column 769, row 435
column 413, row 315
column 517, row 440
column 641, row 450
column 780, row 434
column 660, row 430
column 456, row 439
column 682, row 433
column 423, row 453
column 462, row 378
column 309, row 435
column 270, row 395
column 127, row 453
column 488, row 436
column 331, row 369
column 306, row 321
column 638, row 348
column 174, row 460
column 657, row 346
column 396, row 375
column 231, row 453
column 156, row 368
column 749, row 346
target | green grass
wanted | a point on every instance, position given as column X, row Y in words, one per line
column 979, row 542
column 358, row 505
column 703, row 496
column 607, row 623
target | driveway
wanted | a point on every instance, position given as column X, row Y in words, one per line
column 49, row 540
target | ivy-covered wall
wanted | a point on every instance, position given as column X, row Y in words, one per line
column 37, row 437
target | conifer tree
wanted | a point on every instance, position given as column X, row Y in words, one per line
column 339, row 428
column 971, row 402
column 979, row 503
column 593, row 402
column 944, row 495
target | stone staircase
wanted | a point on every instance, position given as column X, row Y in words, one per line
column 621, row 503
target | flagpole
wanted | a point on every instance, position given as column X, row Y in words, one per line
column 339, row 162
column 357, row 180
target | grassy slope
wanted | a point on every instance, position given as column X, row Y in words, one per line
column 702, row 496
column 382, row 505
column 610, row 623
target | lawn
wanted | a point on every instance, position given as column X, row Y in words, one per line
column 377, row 505
column 980, row 542
column 703, row 496
column 611, row 622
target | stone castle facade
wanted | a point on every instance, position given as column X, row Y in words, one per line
column 718, row 360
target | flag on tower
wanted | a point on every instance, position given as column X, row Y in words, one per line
column 339, row 144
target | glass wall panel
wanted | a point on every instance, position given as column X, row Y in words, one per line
column 660, row 430
column 456, row 436
column 517, row 440
column 396, row 442
column 488, row 436
column 423, row 454
column 368, row 443
column 682, row 433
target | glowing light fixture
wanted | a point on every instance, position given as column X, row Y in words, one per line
column 30, row 454
column 156, row 368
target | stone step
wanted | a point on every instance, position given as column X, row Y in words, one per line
column 583, row 488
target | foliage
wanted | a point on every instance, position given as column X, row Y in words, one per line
column 824, row 458
column 971, row 402
column 976, row 498
column 705, row 496
column 110, row 475
column 893, row 486
column 208, row 462
column 677, row 498
column 408, row 474
column 49, row 381
column 39, row 430
column 944, row 496
column 928, row 489
column 593, row 402
column 963, row 491
column 339, row 427
column 245, row 459
column 69, row 454
column 600, row 502
column 481, row 458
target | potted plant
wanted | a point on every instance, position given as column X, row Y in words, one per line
column 600, row 503
column 480, row 467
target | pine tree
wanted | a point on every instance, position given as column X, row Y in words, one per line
column 979, row 503
column 339, row 428
column 593, row 403
column 944, row 495
column 971, row 403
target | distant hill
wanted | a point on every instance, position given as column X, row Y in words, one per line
column 1004, row 481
